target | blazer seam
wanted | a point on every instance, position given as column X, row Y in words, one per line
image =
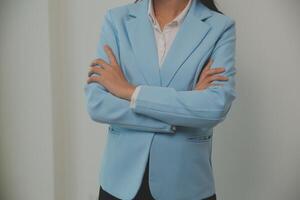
column 174, row 114
column 189, row 107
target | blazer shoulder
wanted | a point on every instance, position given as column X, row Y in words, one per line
column 221, row 20
column 119, row 13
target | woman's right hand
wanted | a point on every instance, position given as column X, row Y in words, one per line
column 208, row 75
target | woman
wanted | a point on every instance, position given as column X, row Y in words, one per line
column 164, row 78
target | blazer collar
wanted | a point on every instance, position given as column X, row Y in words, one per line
column 140, row 32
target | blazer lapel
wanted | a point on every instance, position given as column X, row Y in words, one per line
column 191, row 33
column 142, row 39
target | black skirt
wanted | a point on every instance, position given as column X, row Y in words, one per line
column 143, row 193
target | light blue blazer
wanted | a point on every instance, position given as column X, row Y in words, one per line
column 180, row 166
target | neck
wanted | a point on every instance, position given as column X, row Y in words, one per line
column 167, row 10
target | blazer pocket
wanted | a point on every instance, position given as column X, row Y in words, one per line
column 199, row 139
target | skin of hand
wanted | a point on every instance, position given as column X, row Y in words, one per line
column 111, row 76
column 208, row 75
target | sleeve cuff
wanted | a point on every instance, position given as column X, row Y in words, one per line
column 134, row 96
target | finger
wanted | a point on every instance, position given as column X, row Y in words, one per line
column 97, row 70
column 207, row 85
column 215, row 70
column 208, row 65
column 110, row 54
column 210, row 71
column 90, row 73
column 95, row 62
column 99, row 62
column 210, row 62
column 217, row 78
column 203, row 74
column 215, row 84
column 93, row 79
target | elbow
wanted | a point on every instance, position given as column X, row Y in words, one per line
column 222, row 113
column 95, row 103
column 211, row 121
column 214, row 117
column 100, row 112
column 222, row 104
column 95, row 115
column 95, row 110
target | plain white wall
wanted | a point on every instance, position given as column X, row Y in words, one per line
column 45, row 128
column 26, row 144
column 256, row 151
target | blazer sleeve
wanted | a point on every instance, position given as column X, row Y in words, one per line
column 195, row 108
column 104, row 107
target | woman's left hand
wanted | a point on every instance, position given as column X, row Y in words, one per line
column 111, row 76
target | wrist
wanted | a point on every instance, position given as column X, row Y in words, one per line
column 129, row 91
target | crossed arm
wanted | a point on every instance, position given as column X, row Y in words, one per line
column 161, row 113
column 105, row 107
